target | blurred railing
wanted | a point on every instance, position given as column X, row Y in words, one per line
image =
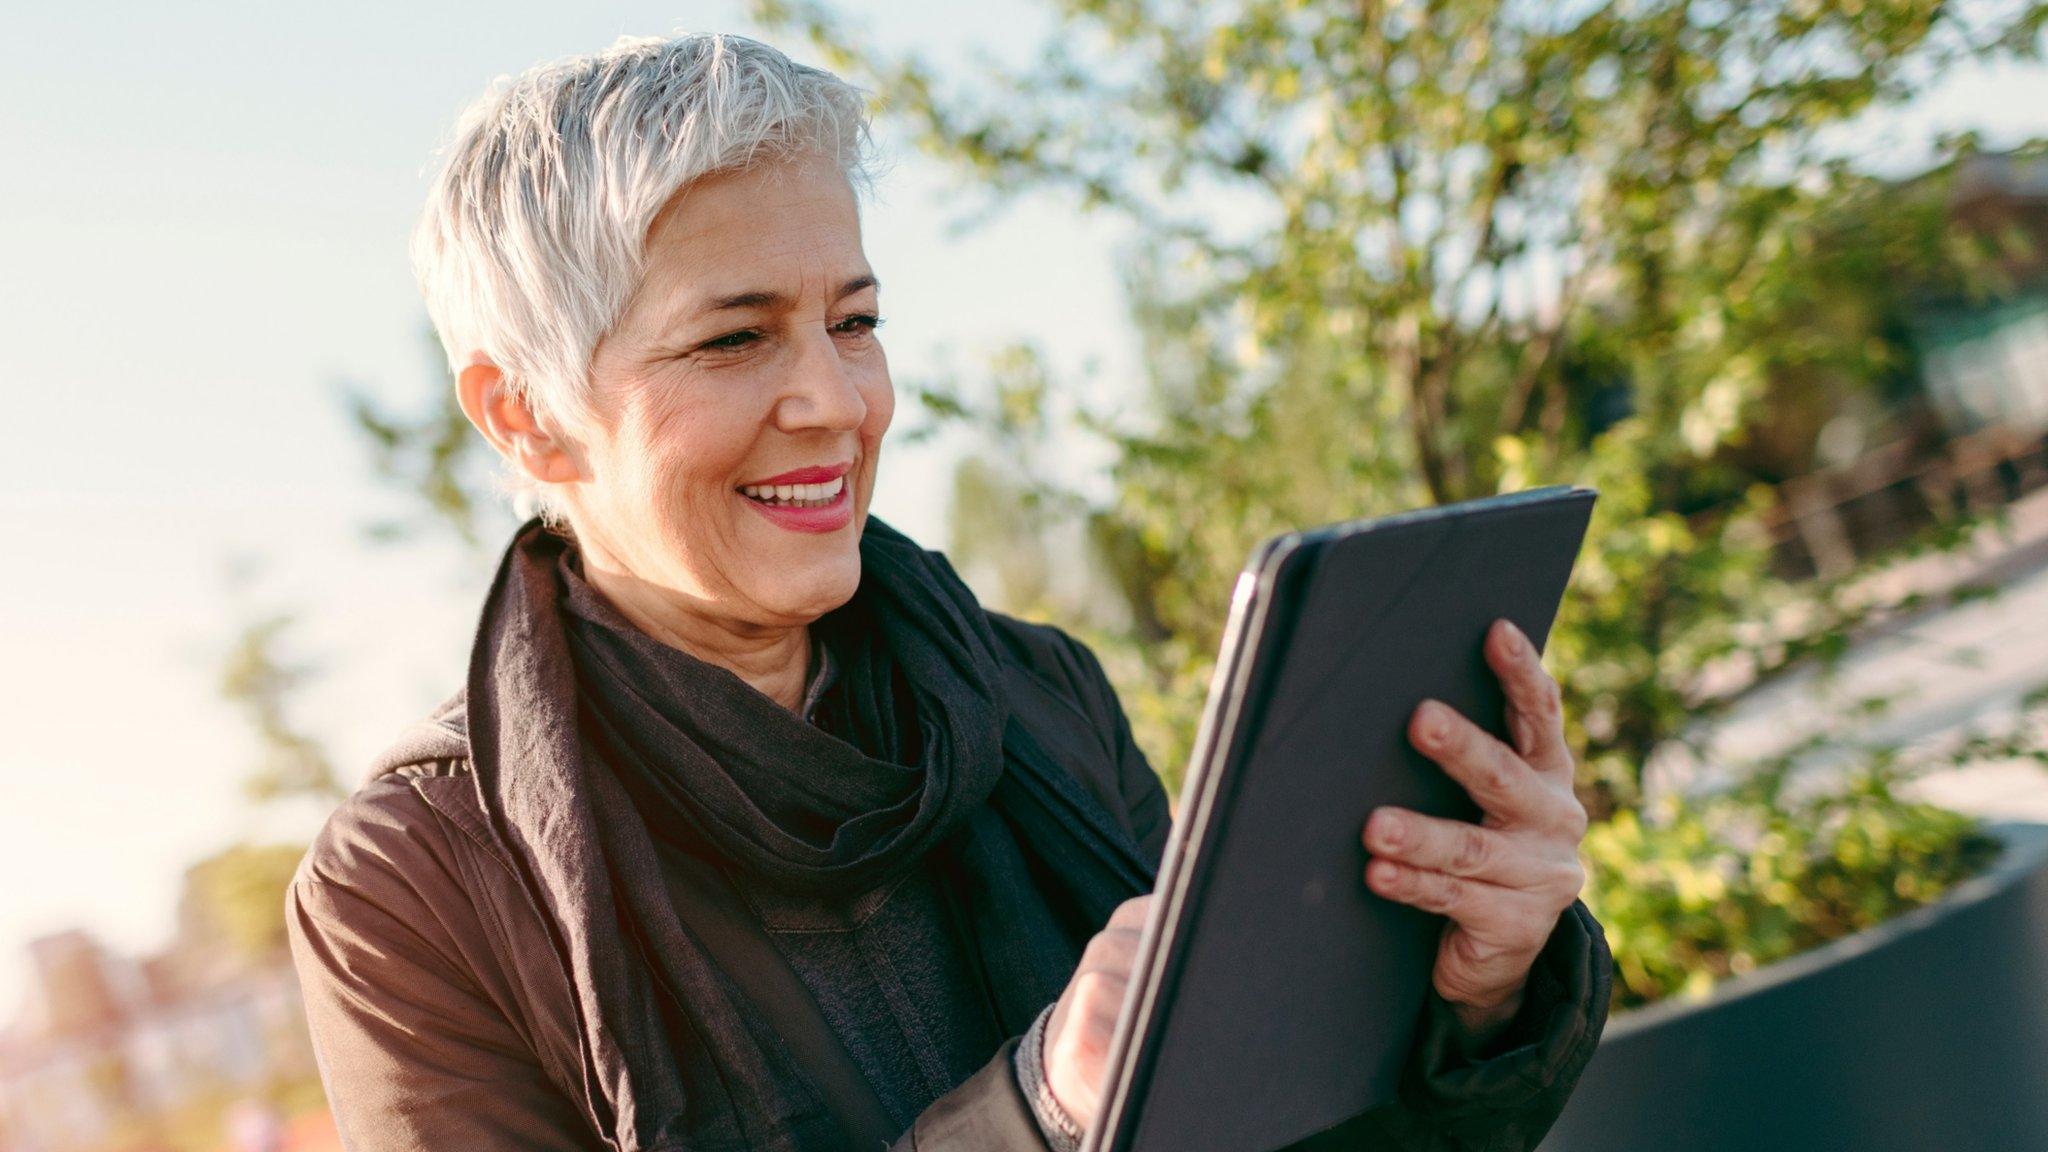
column 1828, row 521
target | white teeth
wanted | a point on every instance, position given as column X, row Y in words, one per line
column 797, row 494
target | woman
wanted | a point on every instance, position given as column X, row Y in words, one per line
column 750, row 828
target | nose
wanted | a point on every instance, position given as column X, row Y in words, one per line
column 820, row 391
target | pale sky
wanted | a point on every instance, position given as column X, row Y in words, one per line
column 203, row 213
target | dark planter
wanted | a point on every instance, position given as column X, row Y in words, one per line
column 1927, row 1032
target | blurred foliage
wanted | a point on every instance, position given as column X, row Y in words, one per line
column 1685, row 904
column 200, row 1123
column 257, row 680
column 1816, row 842
column 236, row 897
column 433, row 458
column 1385, row 255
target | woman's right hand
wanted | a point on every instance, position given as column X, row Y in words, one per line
column 1078, row 1034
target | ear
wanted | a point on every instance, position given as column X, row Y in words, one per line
column 505, row 418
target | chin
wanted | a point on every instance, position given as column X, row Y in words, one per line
column 807, row 591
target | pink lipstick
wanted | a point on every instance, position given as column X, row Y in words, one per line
column 817, row 498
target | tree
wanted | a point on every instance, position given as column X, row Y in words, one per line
column 235, row 898
column 260, row 683
column 1387, row 254
column 431, row 457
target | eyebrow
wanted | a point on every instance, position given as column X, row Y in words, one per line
column 767, row 299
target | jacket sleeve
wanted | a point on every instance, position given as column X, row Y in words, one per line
column 1505, row 1097
column 1501, row 1099
column 987, row 1113
column 412, row 1054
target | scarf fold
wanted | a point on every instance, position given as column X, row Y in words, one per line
column 590, row 739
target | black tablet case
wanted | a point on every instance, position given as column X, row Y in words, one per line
column 1275, row 996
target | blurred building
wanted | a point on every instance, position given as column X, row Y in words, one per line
column 107, row 1047
column 1954, row 420
column 1985, row 362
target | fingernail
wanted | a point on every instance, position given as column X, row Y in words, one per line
column 1386, row 828
column 1517, row 639
column 1436, row 722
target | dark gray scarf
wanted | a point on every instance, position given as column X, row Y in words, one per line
column 590, row 738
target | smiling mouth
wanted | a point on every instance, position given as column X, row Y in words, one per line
column 795, row 495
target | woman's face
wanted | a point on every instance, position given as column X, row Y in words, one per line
column 742, row 397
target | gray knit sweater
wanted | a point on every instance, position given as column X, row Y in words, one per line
column 893, row 979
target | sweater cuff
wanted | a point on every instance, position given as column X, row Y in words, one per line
column 1061, row 1133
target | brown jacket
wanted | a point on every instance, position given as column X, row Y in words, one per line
column 442, row 1015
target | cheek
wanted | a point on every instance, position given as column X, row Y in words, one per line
column 879, row 394
column 711, row 430
column 688, row 452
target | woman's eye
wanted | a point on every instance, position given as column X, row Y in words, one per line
column 862, row 322
column 733, row 339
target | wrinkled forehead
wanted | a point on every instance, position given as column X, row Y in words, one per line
column 775, row 235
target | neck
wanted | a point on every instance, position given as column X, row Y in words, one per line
column 773, row 659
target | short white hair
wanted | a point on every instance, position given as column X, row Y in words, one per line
column 533, row 238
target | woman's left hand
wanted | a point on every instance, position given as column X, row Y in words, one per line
column 1503, row 882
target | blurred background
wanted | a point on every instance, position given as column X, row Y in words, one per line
column 1162, row 279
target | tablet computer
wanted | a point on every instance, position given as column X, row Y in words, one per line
column 1275, row 995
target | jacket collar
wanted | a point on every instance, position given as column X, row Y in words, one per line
column 442, row 735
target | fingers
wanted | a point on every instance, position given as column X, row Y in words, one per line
column 1451, row 846
column 1097, row 997
column 1112, row 950
column 1437, row 892
column 1543, row 864
column 1496, row 778
column 1535, row 707
column 1495, row 918
column 1083, row 1023
column 1131, row 913
column 1502, row 884
column 1495, row 930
